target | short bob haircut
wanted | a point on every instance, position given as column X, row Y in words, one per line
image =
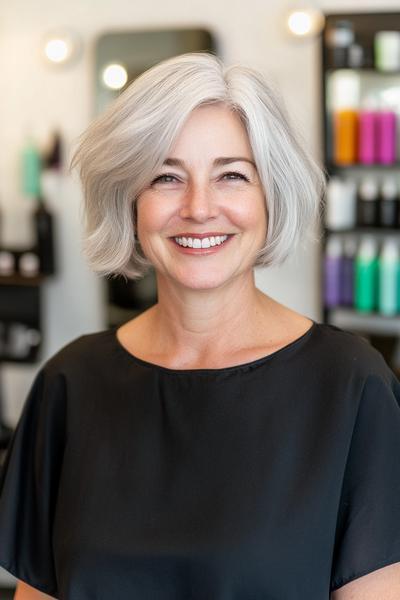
column 121, row 151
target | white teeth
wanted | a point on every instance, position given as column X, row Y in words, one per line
column 201, row 243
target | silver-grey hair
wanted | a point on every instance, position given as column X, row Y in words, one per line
column 121, row 151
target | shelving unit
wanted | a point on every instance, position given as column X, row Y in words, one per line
column 382, row 331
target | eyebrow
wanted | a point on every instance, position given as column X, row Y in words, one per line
column 222, row 160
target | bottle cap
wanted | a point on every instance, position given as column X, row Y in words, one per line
column 28, row 264
column 368, row 247
column 344, row 92
column 341, row 34
column 390, row 250
column 389, row 188
column 7, row 262
column 368, row 189
column 356, row 56
column 350, row 247
column 370, row 103
column 334, row 247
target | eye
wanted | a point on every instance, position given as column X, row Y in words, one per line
column 163, row 179
column 235, row 175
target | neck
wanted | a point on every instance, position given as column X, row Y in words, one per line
column 200, row 322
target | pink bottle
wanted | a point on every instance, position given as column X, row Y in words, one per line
column 367, row 132
column 386, row 136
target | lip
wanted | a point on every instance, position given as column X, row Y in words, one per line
column 200, row 236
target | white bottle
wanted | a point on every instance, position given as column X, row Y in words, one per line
column 341, row 204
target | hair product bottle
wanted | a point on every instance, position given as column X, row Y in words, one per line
column 348, row 271
column 388, row 206
column 341, row 204
column 43, row 224
column 345, row 136
column 387, row 50
column 31, row 169
column 366, row 270
column 388, row 273
column 333, row 271
column 386, row 136
column 339, row 38
column 368, row 202
column 367, row 132
column 53, row 156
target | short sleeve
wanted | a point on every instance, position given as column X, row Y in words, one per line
column 29, row 485
column 368, row 527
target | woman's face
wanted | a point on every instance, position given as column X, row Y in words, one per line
column 203, row 218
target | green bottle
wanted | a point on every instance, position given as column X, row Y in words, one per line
column 366, row 271
column 31, row 169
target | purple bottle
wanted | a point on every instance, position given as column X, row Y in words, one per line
column 348, row 271
column 367, row 132
column 386, row 136
column 333, row 272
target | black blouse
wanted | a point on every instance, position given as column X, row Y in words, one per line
column 277, row 479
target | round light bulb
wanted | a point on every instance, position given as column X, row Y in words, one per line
column 300, row 22
column 61, row 47
column 115, row 76
column 57, row 50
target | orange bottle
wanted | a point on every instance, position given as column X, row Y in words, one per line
column 345, row 136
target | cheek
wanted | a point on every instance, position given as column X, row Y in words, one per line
column 251, row 213
column 150, row 217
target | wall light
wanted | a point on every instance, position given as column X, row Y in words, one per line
column 61, row 47
column 115, row 76
column 304, row 20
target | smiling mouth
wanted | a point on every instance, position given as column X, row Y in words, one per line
column 203, row 245
column 203, row 241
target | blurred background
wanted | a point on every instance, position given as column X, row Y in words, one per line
column 336, row 63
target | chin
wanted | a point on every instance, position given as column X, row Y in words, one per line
column 202, row 281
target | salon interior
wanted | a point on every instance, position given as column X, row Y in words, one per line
column 337, row 65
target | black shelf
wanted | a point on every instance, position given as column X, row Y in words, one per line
column 382, row 331
column 360, row 230
column 335, row 167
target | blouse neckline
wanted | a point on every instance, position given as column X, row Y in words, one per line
column 247, row 365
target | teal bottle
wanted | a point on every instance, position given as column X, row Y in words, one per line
column 388, row 271
column 31, row 169
column 366, row 272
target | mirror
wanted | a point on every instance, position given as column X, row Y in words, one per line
column 119, row 58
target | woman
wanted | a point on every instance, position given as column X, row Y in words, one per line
column 220, row 445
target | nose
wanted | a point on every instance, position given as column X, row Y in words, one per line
column 199, row 203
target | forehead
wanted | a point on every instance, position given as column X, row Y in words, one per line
column 213, row 128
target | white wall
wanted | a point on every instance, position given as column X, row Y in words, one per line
column 37, row 97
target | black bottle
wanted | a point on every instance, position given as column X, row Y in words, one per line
column 339, row 38
column 43, row 224
column 368, row 203
column 53, row 158
column 388, row 203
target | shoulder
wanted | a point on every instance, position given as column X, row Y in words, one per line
column 346, row 351
column 88, row 352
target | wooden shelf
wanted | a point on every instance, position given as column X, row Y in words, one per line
column 21, row 280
